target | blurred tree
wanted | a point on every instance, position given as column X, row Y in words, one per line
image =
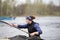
column 37, row 1
column 50, row 6
column 28, row 1
column 0, row 7
column 20, row 10
column 59, row 2
column 7, row 7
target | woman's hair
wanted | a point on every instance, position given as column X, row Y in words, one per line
column 33, row 17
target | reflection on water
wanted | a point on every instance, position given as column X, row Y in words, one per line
column 49, row 25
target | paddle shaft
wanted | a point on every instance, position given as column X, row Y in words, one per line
column 10, row 25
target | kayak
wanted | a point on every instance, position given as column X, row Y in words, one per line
column 4, row 39
column 19, row 37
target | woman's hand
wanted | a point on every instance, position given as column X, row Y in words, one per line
column 13, row 25
column 34, row 33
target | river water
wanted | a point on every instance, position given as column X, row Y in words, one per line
column 49, row 25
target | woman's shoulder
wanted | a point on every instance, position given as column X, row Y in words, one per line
column 36, row 23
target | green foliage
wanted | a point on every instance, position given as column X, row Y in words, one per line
column 8, row 8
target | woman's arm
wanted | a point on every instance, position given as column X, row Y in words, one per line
column 13, row 25
column 39, row 31
column 18, row 26
column 22, row 26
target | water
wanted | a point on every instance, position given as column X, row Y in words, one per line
column 49, row 25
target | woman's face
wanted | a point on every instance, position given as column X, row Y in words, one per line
column 28, row 21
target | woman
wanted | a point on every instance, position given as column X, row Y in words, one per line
column 33, row 27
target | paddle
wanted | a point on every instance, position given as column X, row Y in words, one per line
column 10, row 25
column 4, row 24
